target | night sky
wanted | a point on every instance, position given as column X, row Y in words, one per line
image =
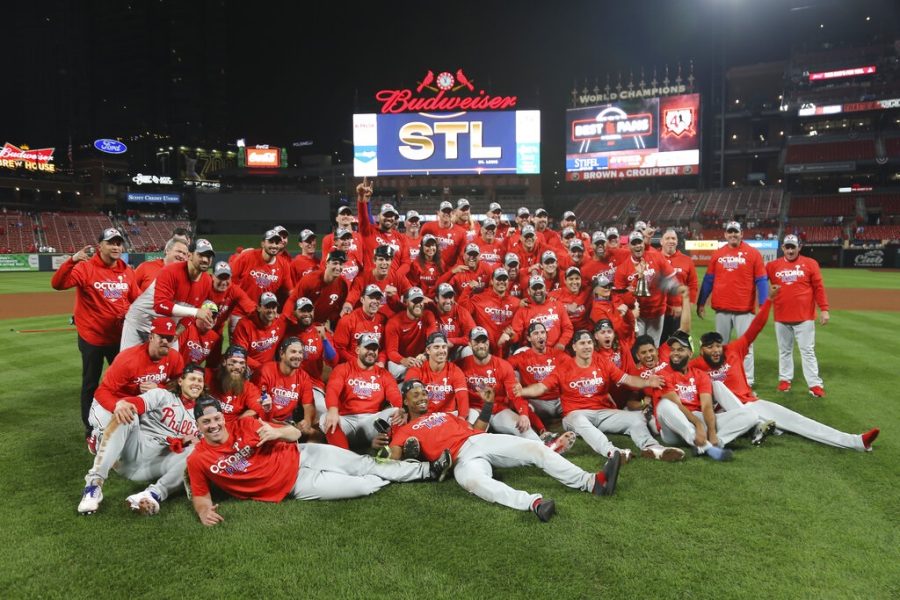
column 297, row 71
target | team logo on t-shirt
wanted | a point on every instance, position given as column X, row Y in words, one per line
column 364, row 389
column 588, row 386
column 233, row 463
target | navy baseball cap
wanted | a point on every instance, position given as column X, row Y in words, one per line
column 203, row 402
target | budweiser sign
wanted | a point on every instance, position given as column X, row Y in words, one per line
column 13, row 157
column 444, row 85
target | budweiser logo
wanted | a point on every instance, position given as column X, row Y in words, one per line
column 11, row 152
column 405, row 100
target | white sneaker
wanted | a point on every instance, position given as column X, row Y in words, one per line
column 144, row 502
column 762, row 430
column 91, row 498
column 663, row 453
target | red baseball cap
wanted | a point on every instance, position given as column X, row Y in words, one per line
column 163, row 326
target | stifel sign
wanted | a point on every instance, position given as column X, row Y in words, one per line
column 13, row 157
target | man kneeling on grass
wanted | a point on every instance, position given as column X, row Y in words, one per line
column 475, row 452
column 251, row 459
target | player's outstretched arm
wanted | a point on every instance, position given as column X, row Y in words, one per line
column 206, row 510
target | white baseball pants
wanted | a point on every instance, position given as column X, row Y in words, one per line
column 505, row 422
column 396, row 370
column 652, row 327
column 546, row 409
column 725, row 322
column 805, row 334
column 592, row 424
column 481, row 452
column 360, row 428
column 319, row 401
column 788, row 420
column 332, row 473
column 675, row 428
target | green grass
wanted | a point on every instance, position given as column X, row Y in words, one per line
column 792, row 519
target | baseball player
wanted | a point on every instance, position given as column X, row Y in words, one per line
column 353, row 261
column 801, row 289
column 491, row 250
column 261, row 332
column 196, row 340
column 318, row 348
column 532, row 365
column 462, row 217
column 175, row 250
column 549, row 270
column 230, row 385
column 494, row 310
column 411, row 229
column 451, row 238
column 228, row 299
column 105, row 286
column 384, row 275
column 257, row 271
column 144, row 437
column 444, row 381
column 326, row 288
column 576, row 298
column 285, row 389
column 179, row 290
column 474, row 454
column 685, row 274
column 405, row 334
column 249, row 459
column 343, row 220
column 529, row 249
column 385, row 234
column 470, row 276
column 454, row 320
column 542, row 229
column 551, row 313
column 736, row 278
column 305, row 262
column 366, row 319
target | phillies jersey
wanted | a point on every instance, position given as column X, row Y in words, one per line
column 241, row 468
column 554, row 317
column 303, row 265
column 491, row 253
column 689, row 385
column 146, row 272
column 372, row 237
column 313, row 351
column 657, row 269
column 735, row 271
column 685, row 274
column 390, row 305
column 580, row 316
column 498, row 375
column 355, row 242
column 232, row 300
column 260, row 339
column 534, row 367
column 286, row 392
column 354, row 390
column 623, row 325
column 102, row 297
column 173, row 285
column 406, row 337
column 132, row 367
column 233, row 405
column 801, row 289
column 436, row 432
column 621, row 358
column 351, row 327
column 252, row 273
column 446, row 388
column 328, row 297
column 467, row 283
column 493, row 312
column 425, row 276
column 195, row 346
column 584, row 388
column 455, row 324
column 352, row 267
column 162, row 414
column 451, row 240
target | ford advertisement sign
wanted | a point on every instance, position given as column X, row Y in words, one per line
column 110, row 146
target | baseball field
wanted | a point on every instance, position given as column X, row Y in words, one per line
column 789, row 519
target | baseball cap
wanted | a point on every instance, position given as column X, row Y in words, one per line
column 534, row 325
column 203, row 402
column 337, row 256
column 111, row 233
column 345, row 210
column 388, row 209
column 306, row 234
column 576, row 245
column 271, row 234
column 602, row 281
column 500, row 272
column 640, row 226
column 580, row 334
column 598, row 237
column 573, row 270
column 462, row 204
column 384, row 251
column 523, row 212
column 340, row 233
column 548, row 256
column 540, row 211
column 412, row 215
column 536, row 281
column 193, row 367
column 282, row 231
column 267, row 298
column 711, row 337
column 222, row 268
column 489, row 223
column 367, row 340
column 202, row 246
column 235, row 350
column 428, row 238
column 527, row 230
column 446, row 205
column 635, row 236
column 473, row 249
column 568, row 232
column 414, row 293
column 478, row 332
column 445, row 289
column 603, row 324
column 791, row 240
column 436, row 337
column 568, row 215
column 494, row 207
column 511, row 258
column 682, row 338
column 733, row 225
column 410, row 384
column 303, row 301
column 162, row 326
column 612, row 232
column 372, row 290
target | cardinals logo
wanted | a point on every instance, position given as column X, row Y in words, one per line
column 679, row 121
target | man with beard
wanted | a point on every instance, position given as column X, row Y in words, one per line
column 490, row 250
column 533, row 364
column 606, row 307
column 494, row 310
column 549, row 312
column 384, row 275
column 144, row 437
column 230, row 385
column 725, row 365
column 452, row 320
column 583, row 384
column 318, row 348
column 529, row 252
column 405, row 334
column 462, row 218
column 514, row 289
column 326, row 288
column 610, row 345
column 356, row 396
column 385, row 234
column 305, row 262
column 549, row 237
column 261, row 332
column 444, row 381
column 285, row 389
column 366, row 319
column 259, row 270
column 474, row 453
column 600, row 263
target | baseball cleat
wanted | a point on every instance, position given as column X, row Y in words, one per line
column 762, row 431
column 146, row 503
column 544, row 509
column 663, row 453
column 817, row 391
column 626, row 455
column 719, row 454
column 91, row 442
column 561, row 443
column 441, row 467
column 411, row 449
column 90, row 499
column 605, row 482
column 869, row 437
column 784, row 386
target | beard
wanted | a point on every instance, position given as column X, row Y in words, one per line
column 714, row 363
column 230, row 383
